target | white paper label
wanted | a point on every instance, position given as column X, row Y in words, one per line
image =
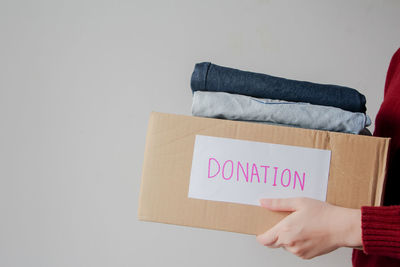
column 239, row 171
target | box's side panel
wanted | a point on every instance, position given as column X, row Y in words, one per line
column 357, row 170
column 168, row 159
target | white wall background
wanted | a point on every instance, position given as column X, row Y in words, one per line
column 79, row 78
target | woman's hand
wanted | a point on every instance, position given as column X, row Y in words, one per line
column 313, row 228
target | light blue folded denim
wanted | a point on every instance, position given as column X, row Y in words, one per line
column 304, row 115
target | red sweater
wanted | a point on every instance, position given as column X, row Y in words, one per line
column 381, row 225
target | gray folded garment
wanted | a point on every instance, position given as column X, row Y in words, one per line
column 304, row 115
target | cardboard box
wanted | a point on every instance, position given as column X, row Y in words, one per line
column 356, row 175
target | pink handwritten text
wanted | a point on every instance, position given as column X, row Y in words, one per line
column 238, row 171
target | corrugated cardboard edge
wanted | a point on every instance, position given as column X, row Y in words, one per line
column 143, row 181
column 381, row 177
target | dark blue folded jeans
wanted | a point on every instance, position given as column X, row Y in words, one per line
column 210, row 77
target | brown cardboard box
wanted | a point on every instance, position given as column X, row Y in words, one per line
column 356, row 175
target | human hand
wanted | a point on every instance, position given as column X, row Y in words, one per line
column 313, row 228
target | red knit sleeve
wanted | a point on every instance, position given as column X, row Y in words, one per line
column 381, row 230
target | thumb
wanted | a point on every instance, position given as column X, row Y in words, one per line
column 281, row 204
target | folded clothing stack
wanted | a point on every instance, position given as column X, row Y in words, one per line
column 220, row 92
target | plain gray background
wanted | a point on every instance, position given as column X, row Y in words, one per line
column 78, row 80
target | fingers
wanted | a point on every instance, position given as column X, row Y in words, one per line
column 298, row 232
column 282, row 204
column 269, row 238
column 276, row 238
